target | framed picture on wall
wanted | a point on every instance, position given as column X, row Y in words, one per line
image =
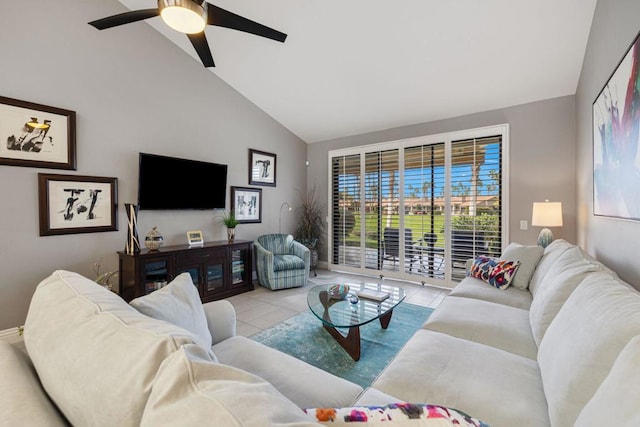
column 616, row 133
column 262, row 168
column 71, row 204
column 36, row 135
column 246, row 203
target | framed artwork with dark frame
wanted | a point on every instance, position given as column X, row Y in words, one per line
column 72, row 204
column 616, row 139
column 262, row 168
column 36, row 135
column 246, row 203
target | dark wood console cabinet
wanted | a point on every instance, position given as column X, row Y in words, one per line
column 218, row 269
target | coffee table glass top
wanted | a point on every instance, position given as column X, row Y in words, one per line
column 344, row 313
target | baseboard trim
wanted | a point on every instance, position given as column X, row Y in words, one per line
column 11, row 335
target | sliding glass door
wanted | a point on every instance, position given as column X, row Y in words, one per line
column 418, row 209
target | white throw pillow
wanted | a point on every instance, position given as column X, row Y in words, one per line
column 179, row 304
column 528, row 257
column 96, row 356
column 190, row 389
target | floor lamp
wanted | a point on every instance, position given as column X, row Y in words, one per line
column 280, row 218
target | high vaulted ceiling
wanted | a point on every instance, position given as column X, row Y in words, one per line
column 356, row 66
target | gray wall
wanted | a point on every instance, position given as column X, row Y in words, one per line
column 133, row 90
column 614, row 241
column 542, row 158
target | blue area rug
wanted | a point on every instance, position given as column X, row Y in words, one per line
column 302, row 336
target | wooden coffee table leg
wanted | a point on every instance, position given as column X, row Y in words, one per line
column 385, row 319
column 351, row 343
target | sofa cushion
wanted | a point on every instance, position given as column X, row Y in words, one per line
column 549, row 257
column 615, row 403
column 497, row 273
column 23, row 402
column 583, row 341
column 373, row 396
column 562, row 278
column 191, row 390
column 484, row 322
column 471, row 287
column 177, row 303
column 474, row 378
column 96, row 356
column 287, row 262
column 294, row 381
column 394, row 414
column 528, row 257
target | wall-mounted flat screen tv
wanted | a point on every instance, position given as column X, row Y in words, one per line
column 169, row 183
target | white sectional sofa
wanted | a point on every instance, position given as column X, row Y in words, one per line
column 562, row 349
column 564, row 352
column 102, row 362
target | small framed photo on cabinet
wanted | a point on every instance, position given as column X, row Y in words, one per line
column 194, row 238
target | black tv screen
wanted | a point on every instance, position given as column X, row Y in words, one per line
column 169, row 183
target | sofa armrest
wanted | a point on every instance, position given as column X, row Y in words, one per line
column 221, row 320
column 301, row 251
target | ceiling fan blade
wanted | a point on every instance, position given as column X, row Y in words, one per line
column 224, row 18
column 200, row 44
column 124, row 18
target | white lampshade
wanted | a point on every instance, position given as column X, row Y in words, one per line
column 547, row 214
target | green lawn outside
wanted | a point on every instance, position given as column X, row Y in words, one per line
column 419, row 224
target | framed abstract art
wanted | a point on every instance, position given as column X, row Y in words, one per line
column 616, row 129
column 36, row 135
column 71, row 204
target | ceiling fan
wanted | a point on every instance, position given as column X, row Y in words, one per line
column 191, row 18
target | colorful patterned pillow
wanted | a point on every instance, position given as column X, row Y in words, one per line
column 409, row 414
column 495, row 272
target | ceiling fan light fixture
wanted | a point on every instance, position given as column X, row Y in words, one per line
column 185, row 16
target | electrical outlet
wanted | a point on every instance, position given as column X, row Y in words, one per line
column 524, row 225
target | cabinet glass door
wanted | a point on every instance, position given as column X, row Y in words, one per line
column 238, row 270
column 215, row 276
column 194, row 272
column 155, row 275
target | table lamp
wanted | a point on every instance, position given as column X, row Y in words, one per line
column 546, row 214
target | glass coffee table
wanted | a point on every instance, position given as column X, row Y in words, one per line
column 351, row 313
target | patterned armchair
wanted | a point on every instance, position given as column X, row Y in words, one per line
column 281, row 262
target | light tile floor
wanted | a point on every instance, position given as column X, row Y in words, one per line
column 262, row 308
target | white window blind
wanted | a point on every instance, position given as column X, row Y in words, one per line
column 420, row 208
column 424, row 209
column 475, row 202
column 345, row 207
column 382, row 199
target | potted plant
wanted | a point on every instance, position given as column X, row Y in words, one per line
column 310, row 227
column 103, row 279
column 230, row 221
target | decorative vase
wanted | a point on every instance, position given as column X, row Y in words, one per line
column 231, row 233
column 132, row 246
column 154, row 240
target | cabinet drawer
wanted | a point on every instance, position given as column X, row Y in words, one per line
column 199, row 256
